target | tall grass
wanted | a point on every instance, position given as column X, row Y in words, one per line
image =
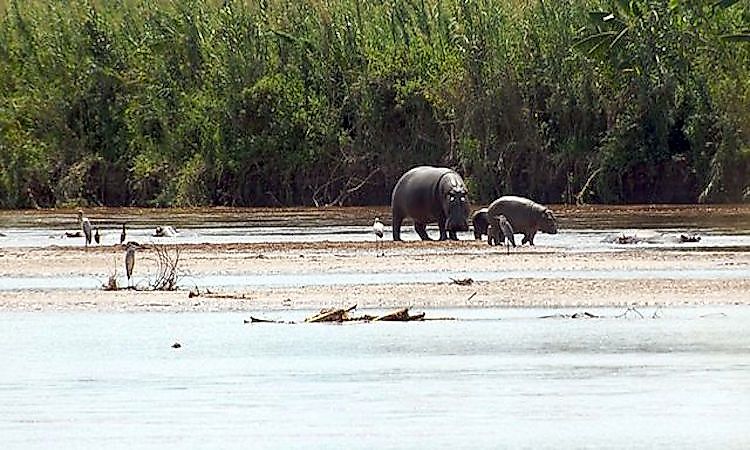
column 156, row 102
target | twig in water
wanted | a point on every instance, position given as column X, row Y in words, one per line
column 625, row 314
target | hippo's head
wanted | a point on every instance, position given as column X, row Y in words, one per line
column 456, row 207
column 548, row 223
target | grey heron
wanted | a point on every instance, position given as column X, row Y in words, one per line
column 85, row 225
column 501, row 232
column 97, row 237
column 122, row 235
column 129, row 262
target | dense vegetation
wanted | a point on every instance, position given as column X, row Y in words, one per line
column 301, row 102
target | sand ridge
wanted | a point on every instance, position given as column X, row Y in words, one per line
column 363, row 258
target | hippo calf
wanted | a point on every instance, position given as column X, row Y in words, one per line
column 479, row 222
column 525, row 216
column 431, row 194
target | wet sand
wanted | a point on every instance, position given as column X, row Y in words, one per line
column 362, row 258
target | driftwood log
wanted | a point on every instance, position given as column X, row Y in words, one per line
column 331, row 315
column 256, row 320
column 338, row 315
column 400, row 315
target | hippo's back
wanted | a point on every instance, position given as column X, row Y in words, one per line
column 414, row 193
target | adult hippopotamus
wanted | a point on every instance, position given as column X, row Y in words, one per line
column 479, row 222
column 430, row 194
column 524, row 215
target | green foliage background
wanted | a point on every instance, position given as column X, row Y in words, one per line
column 301, row 102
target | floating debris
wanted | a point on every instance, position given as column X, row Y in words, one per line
column 339, row 315
column 332, row 315
column 400, row 315
column 627, row 239
column 578, row 315
column 462, row 281
column 689, row 237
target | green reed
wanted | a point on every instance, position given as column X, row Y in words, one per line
column 149, row 102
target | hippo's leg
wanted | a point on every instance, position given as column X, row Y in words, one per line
column 452, row 235
column 421, row 229
column 396, row 225
column 443, row 230
column 529, row 237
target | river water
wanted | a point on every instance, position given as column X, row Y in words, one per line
column 496, row 378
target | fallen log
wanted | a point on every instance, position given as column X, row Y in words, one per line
column 331, row 315
column 400, row 315
column 462, row 281
column 256, row 320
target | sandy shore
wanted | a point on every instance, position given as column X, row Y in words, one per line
column 331, row 258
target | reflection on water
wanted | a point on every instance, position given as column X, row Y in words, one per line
column 570, row 239
column 507, row 380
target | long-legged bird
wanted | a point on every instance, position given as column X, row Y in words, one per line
column 378, row 229
column 129, row 262
column 122, row 235
column 507, row 230
column 85, row 225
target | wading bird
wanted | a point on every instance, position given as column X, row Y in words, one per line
column 84, row 223
column 378, row 229
column 507, row 231
column 130, row 262
column 122, row 235
column 97, row 237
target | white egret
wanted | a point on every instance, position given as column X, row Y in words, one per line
column 378, row 229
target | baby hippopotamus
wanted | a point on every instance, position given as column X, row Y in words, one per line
column 525, row 216
column 479, row 222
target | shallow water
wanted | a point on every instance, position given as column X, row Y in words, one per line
column 586, row 228
column 569, row 239
column 498, row 378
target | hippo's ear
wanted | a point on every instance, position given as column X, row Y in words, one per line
column 548, row 214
